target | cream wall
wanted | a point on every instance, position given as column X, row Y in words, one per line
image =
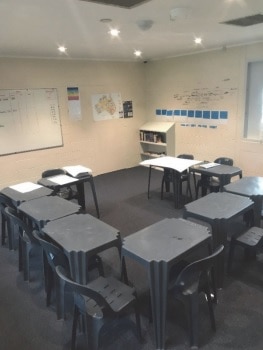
column 219, row 77
column 103, row 146
column 113, row 144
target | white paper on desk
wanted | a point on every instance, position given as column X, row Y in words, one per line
column 25, row 187
column 62, row 179
column 178, row 164
column 76, row 170
column 208, row 165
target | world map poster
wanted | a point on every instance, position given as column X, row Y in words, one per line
column 107, row 106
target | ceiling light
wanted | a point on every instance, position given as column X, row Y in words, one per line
column 198, row 40
column 114, row 32
column 62, row 49
column 137, row 53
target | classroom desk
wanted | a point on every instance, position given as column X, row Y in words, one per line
column 24, row 192
column 79, row 182
column 223, row 172
column 177, row 165
column 219, row 209
column 44, row 209
column 159, row 247
column 82, row 236
column 252, row 187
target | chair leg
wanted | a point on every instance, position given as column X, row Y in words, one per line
column 25, row 257
column 74, row 328
column 60, row 297
column 211, row 310
column 138, row 323
column 49, row 282
column 20, row 255
column 194, row 320
column 3, row 229
column 230, row 255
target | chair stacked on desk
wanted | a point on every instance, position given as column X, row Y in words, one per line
column 66, row 192
column 210, row 183
column 184, row 177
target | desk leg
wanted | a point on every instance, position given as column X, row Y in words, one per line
column 257, row 210
column 158, row 278
column 94, row 195
column 81, row 194
column 219, row 232
column 176, row 188
column 149, row 181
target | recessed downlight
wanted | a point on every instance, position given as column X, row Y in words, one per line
column 114, row 32
column 62, row 49
column 198, row 40
column 137, row 53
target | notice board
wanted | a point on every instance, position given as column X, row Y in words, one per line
column 29, row 120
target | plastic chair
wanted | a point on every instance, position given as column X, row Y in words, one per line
column 54, row 256
column 251, row 240
column 26, row 241
column 209, row 182
column 6, row 227
column 168, row 177
column 196, row 278
column 66, row 191
column 101, row 302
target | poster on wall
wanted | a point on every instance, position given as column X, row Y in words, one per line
column 107, row 106
column 74, row 103
column 127, row 109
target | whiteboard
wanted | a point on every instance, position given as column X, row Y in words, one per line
column 29, row 120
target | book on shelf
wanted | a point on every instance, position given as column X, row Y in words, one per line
column 77, row 170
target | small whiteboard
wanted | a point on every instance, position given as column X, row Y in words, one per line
column 29, row 120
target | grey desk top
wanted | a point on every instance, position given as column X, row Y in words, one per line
column 158, row 247
column 44, row 209
column 81, row 232
column 18, row 197
column 167, row 240
column 217, row 170
column 247, row 186
column 221, row 205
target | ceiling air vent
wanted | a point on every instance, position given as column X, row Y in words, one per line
column 121, row 3
column 246, row 21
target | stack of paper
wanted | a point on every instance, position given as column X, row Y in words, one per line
column 77, row 170
column 208, row 165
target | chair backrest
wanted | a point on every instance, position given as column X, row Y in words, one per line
column 4, row 201
column 224, row 161
column 83, row 290
column 54, row 254
column 53, row 172
column 186, row 156
column 189, row 278
column 25, row 231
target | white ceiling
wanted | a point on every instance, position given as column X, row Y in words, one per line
column 34, row 28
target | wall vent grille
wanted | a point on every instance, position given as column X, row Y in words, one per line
column 246, row 21
column 120, row 3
